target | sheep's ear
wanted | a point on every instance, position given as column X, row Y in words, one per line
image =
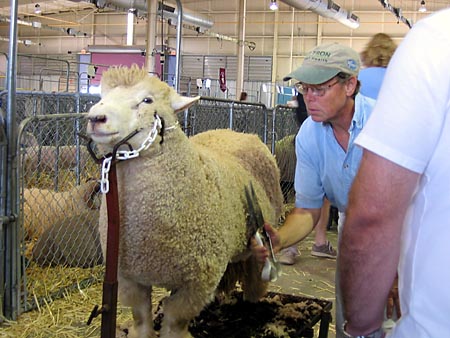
column 180, row 103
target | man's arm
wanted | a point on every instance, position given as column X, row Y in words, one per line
column 370, row 245
column 298, row 225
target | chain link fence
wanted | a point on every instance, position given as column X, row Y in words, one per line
column 58, row 189
column 284, row 128
column 211, row 113
column 59, row 201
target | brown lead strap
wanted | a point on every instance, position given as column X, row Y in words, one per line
column 109, row 308
column 110, row 283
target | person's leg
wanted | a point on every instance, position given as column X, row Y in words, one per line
column 322, row 247
column 320, row 232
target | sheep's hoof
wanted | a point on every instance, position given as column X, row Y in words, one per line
column 128, row 330
column 175, row 334
column 185, row 335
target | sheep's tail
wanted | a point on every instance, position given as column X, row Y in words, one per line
column 248, row 273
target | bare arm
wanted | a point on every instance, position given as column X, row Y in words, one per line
column 370, row 245
column 298, row 224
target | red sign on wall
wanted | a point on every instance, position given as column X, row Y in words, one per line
column 222, row 80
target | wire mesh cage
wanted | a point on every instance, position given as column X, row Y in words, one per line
column 59, row 201
column 212, row 113
column 285, row 128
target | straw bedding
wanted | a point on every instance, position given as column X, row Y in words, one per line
column 276, row 316
column 65, row 317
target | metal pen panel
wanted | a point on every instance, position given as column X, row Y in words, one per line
column 58, row 205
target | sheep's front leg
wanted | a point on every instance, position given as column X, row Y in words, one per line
column 139, row 298
column 179, row 309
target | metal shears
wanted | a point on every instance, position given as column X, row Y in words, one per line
column 272, row 268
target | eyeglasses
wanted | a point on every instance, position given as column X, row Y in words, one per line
column 316, row 91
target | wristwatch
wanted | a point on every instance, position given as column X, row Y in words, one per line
column 378, row 333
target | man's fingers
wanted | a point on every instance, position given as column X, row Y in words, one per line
column 259, row 251
column 389, row 306
column 269, row 229
column 274, row 237
column 397, row 306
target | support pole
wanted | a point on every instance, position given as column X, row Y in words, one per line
column 178, row 56
column 240, row 46
column 11, row 296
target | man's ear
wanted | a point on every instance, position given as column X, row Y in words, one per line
column 350, row 85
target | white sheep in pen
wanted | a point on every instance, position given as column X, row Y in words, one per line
column 183, row 211
column 44, row 207
column 48, row 158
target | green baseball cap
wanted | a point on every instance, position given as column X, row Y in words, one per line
column 325, row 62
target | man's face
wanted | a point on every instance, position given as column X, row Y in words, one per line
column 327, row 101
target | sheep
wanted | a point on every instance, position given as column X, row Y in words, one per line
column 286, row 161
column 43, row 207
column 47, row 158
column 73, row 241
column 183, row 212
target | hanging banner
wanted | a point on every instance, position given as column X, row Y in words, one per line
column 222, row 79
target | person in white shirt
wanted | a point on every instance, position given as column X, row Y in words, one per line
column 398, row 216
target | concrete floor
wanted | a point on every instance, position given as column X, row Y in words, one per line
column 310, row 276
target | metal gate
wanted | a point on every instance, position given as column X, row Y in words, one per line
column 52, row 167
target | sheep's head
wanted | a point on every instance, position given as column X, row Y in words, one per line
column 130, row 100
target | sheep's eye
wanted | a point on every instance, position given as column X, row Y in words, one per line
column 147, row 100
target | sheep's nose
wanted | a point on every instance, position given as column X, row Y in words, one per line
column 97, row 118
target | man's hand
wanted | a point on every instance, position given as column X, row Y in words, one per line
column 260, row 251
column 393, row 302
column 274, row 237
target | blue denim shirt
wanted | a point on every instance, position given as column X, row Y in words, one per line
column 323, row 167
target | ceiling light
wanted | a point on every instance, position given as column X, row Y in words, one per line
column 130, row 26
column 422, row 7
column 37, row 9
column 273, row 5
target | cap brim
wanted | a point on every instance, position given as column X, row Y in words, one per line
column 312, row 75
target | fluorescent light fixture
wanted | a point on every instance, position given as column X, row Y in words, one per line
column 116, row 49
column 130, row 26
column 273, row 5
column 37, row 9
column 422, row 8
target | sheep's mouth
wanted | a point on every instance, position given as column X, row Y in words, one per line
column 96, row 136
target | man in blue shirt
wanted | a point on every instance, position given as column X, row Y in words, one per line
column 327, row 159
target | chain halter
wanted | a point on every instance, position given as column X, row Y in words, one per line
column 122, row 155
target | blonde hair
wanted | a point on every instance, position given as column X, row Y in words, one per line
column 378, row 51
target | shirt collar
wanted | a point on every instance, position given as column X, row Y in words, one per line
column 361, row 111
